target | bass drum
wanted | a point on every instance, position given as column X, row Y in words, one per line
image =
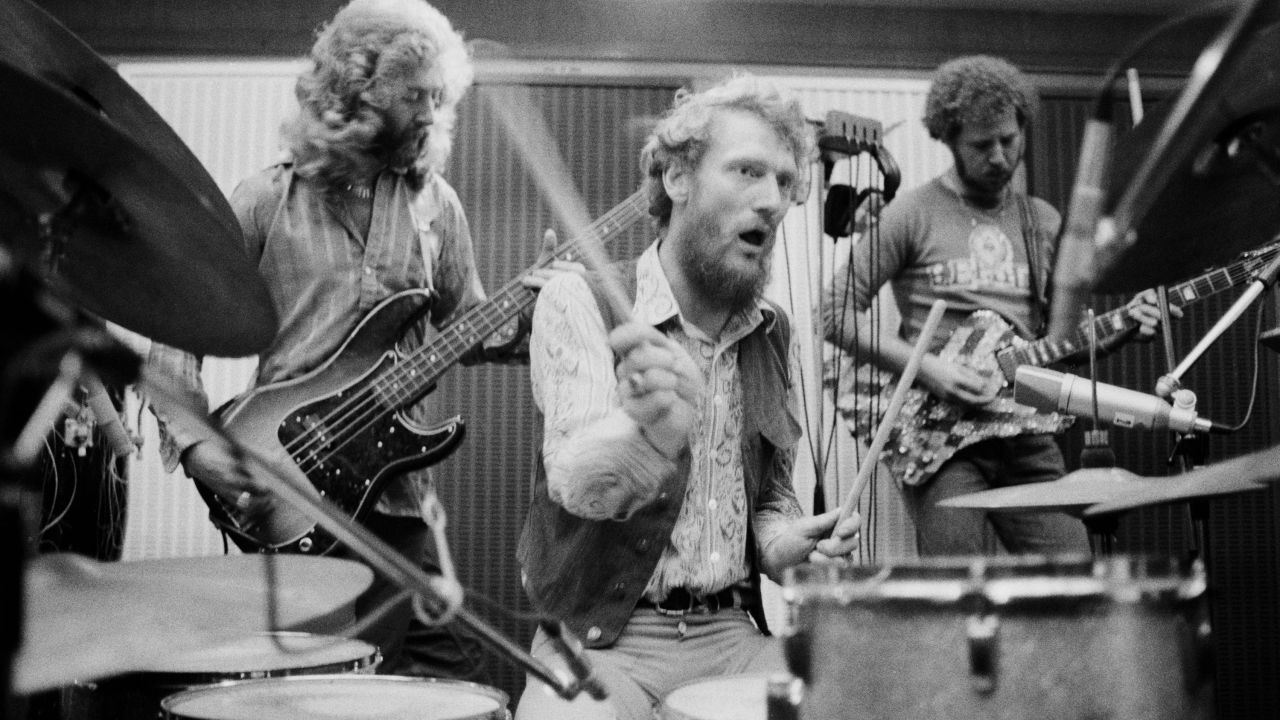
column 340, row 697
column 1000, row 639
column 137, row 696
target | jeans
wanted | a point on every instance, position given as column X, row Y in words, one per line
column 652, row 657
column 994, row 463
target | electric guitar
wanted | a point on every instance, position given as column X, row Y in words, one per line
column 342, row 427
column 929, row 430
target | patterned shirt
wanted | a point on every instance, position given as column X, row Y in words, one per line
column 324, row 275
column 574, row 386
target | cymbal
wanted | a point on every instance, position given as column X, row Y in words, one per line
column 1221, row 195
column 142, row 236
column 87, row 619
column 1071, row 493
column 1099, row 491
column 1212, row 480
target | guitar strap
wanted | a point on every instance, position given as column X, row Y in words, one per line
column 1037, row 269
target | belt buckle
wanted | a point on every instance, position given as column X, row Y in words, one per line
column 690, row 607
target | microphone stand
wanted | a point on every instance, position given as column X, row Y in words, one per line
column 1262, row 281
column 377, row 553
column 1189, row 449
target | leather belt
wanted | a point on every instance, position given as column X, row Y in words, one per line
column 681, row 601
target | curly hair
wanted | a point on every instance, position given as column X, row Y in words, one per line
column 976, row 89
column 359, row 63
column 682, row 136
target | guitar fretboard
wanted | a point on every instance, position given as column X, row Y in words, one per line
column 409, row 379
column 1047, row 351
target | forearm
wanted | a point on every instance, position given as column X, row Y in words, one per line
column 175, row 436
column 608, row 470
column 776, row 512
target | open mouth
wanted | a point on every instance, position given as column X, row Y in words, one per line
column 753, row 237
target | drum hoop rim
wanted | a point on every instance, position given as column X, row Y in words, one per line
column 486, row 690
column 371, row 657
column 1109, row 579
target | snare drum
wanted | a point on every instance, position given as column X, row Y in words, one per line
column 340, row 697
column 1000, row 638
column 137, row 696
column 732, row 697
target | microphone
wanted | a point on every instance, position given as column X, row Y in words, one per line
column 1051, row 391
column 1073, row 271
column 570, row 650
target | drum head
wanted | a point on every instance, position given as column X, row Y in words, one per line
column 733, row 697
column 339, row 697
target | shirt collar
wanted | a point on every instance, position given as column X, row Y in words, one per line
column 656, row 304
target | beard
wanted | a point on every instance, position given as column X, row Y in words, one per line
column 711, row 274
column 989, row 185
column 399, row 149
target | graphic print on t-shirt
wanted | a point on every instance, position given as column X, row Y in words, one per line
column 991, row 263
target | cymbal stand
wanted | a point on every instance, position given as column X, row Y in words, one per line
column 1098, row 451
column 432, row 593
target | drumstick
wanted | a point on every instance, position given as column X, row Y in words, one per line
column 514, row 108
column 891, row 415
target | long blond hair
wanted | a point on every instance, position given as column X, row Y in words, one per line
column 359, row 62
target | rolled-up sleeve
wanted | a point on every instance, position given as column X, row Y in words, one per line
column 599, row 466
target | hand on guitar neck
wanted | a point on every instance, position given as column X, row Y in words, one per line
column 549, row 265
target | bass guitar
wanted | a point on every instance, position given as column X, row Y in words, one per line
column 343, row 426
column 929, row 430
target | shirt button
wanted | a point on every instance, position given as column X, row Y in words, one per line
column 594, row 633
column 368, row 270
column 642, row 545
column 711, row 504
column 715, row 557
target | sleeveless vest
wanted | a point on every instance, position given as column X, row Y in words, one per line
column 591, row 574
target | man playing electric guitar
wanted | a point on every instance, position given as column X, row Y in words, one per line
column 360, row 213
column 969, row 238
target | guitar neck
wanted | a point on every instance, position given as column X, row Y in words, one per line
column 1047, row 351
column 423, row 367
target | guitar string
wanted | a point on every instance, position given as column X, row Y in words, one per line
column 336, row 429
column 453, row 341
column 1048, row 350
